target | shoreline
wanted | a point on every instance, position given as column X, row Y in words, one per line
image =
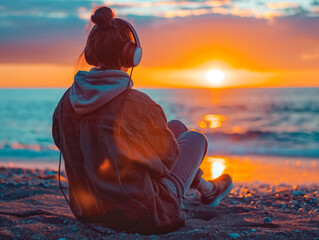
column 243, row 169
column 32, row 207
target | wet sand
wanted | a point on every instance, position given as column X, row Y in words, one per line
column 32, row 207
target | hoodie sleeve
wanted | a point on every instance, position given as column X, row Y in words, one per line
column 159, row 136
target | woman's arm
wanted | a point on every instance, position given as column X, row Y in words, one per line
column 145, row 139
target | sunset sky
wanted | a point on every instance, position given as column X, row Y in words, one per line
column 254, row 43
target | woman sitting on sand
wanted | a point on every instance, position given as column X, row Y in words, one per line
column 127, row 167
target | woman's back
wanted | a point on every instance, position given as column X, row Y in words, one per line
column 138, row 143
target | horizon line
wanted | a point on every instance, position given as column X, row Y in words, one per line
column 210, row 88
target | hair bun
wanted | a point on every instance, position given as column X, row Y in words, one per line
column 103, row 17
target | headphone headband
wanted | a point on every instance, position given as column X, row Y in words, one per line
column 136, row 39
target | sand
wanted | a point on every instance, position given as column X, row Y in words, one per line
column 32, row 207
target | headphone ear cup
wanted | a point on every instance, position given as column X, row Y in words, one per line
column 126, row 52
column 137, row 55
column 131, row 55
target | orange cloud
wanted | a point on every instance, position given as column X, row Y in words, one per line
column 217, row 3
column 186, row 12
column 310, row 56
column 271, row 15
column 315, row 10
column 282, row 5
column 84, row 13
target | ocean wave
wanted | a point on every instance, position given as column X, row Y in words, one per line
column 305, row 137
column 297, row 144
column 219, row 143
column 311, row 107
column 16, row 150
column 32, row 147
column 263, row 151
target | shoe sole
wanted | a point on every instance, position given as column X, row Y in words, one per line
column 221, row 196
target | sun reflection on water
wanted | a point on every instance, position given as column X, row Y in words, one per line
column 212, row 121
column 272, row 170
column 218, row 165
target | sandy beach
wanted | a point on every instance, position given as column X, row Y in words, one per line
column 32, row 207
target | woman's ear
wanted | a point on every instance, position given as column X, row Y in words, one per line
column 124, row 69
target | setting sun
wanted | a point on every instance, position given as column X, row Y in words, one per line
column 215, row 76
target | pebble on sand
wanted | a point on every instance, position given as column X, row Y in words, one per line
column 267, row 220
column 234, row 235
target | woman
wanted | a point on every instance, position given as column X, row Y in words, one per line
column 127, row 167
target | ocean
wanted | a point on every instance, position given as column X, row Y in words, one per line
column 281, row 122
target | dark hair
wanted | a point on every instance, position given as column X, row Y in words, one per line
column 106, row 39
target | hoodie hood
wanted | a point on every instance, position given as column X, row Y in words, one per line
column 91, row 90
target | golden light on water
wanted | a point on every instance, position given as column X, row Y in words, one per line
column 202, row 124
column 212, row 121
column 237, row 129
column 218, row 165
column 272, row 170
